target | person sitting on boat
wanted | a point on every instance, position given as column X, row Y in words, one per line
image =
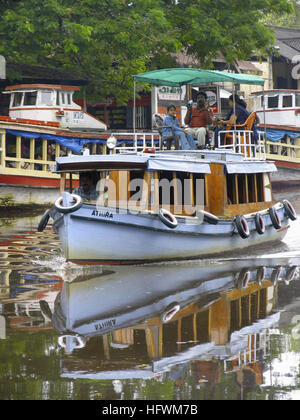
column 172, row 131
column 87, row 188
column 238, row 117
column 198, row 118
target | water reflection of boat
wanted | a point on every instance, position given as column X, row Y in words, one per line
column 199, row 311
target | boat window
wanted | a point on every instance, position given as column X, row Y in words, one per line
column 69, row 98
column 297, row 98
column 273, row 101
column 57, row 98
column 136, row 179
column 260, row 187
column 17, row 101
column 242, row 192
column 199, row 193
column 63, row 100
column 231, row 189
column 25, row 148
column 30, row 98
column 46, row 98
column 10, row 150
column 166, row 188
column 287, row 101
column 262, row 101
column 252, row 188
column 245, row 188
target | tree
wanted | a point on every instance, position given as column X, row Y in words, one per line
column 291, row 20
column 233, row 27
column 107, row 41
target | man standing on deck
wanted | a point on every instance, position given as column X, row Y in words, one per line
column 198, row 119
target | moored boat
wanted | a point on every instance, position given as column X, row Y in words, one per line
column 278, row 111
column 43, row 123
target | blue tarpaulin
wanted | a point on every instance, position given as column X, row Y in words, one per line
column 75, row 144
column 276, row 135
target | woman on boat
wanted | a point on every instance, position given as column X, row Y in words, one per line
column 235, row 116
column 172, row 131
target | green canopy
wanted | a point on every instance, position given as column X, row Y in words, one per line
column 190, row 76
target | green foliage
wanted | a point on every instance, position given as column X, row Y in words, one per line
column 291, row 19
column 107, row 41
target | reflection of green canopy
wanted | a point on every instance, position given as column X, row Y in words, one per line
column 190, row 76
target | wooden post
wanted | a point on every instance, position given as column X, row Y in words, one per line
column 297, row 151
column 18, row 151
column 2, row 148
column 62, row 183
column 32, row 149
column 44, row 151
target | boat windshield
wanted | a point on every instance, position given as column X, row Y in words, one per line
column 17, row 99
column 46, row 98
column 30, row 98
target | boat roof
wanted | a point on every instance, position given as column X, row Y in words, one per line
column 284, row 91
column 193, row 162
column 193, row 76
column 40, row 86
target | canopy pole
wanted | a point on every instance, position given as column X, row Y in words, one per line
column 265, row 127
column 234, row 127
column 134, row 106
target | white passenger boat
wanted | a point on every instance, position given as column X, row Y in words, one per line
column 43, row 123
column 168, row 205
column 278, row 111
column 158, row 205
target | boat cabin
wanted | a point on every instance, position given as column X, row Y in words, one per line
column 51, row 103
column 222, row 183
column 282, row 107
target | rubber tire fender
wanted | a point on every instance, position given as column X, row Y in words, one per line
column 276, row 222
column 167, row 218
column 289, row 210
column 44, row 221
column 242, row 226
column 259, row 224
column 76, row 206
column 208, row 217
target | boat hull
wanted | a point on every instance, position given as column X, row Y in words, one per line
column 288, row 174
column 102, row 236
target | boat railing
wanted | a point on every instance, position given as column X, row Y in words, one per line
column 30, row 157
column 287, row 149
column 137, row 141
column 241, row 141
